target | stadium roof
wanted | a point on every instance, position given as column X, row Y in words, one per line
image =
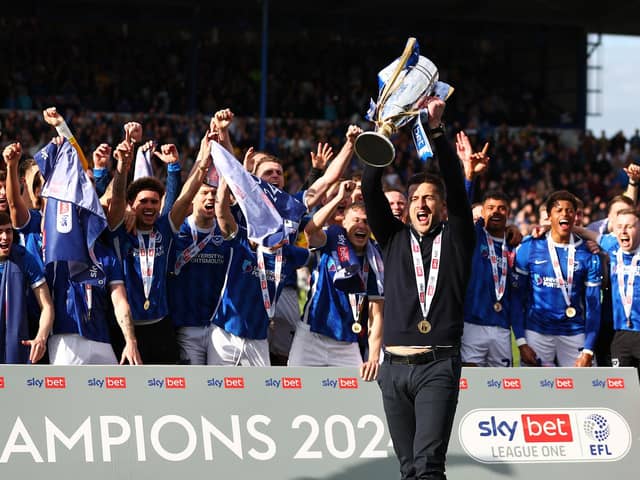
column 619, row 17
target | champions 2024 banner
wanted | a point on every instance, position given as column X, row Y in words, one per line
column 306, row 423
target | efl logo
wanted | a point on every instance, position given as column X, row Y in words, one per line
column 55, row 382
column 233, row 382
column 291, row 382
column 615, row 383
column 115, row 382
column 464, row 384
column 347, row 382
column 511, row 384
column 564, row 383
column 175, row 382
column 1, row 382
column 547, row 428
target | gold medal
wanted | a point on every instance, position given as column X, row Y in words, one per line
column 424, row 326
column 497, row 307
column 356, row 328
column 570, row 312
column 147, row 304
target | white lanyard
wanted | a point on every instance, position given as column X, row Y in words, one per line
column 425, row 295
column 565, row 287
column 355, row 300
column 192, row 250
column 264, row 286
column 626, row 294
column 147, row 258
column 499, row 283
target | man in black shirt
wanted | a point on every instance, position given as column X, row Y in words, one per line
column 427, row 268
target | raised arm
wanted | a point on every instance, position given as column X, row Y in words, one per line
column 181, row 207
column 225, row 218
column 633, row 172
column 334, row 170
column 219, row 125
column 379, row 215
column 53, row 118
column 316, row 237
column 17, row 208
column 118, row 202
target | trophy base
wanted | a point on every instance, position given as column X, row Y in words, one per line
column 374, row 149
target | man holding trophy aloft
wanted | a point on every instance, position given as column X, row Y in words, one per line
column 430, row 257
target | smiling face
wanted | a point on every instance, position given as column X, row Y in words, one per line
column 357, row 227
column 204, row 203
column 397, row 202
column 494, row 213
column 627, row 230
column 146, row 206
column 562, row 218
column 6, row 240
column 426, row 206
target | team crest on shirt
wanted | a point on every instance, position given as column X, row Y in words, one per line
column 331, row 265
column 247, row 266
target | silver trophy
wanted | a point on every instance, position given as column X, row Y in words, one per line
column 406, row 83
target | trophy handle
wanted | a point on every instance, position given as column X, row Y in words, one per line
column 374, row 149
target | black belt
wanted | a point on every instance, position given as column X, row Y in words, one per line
column 421, row 358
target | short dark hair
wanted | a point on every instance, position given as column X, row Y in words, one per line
column 144, row 183
column 3, row 175
column 5, row 219
column 495, row 195
column 561, row 195
column 431, row 178
column 620, row 198
column 265, row 157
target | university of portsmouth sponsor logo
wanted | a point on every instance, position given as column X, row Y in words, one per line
column 169, row 383
column 545, row 435
column 108, row 382
column 226, row 382
column 611, row 383
column 284, row 383
column 341, row 383
column 558, row 383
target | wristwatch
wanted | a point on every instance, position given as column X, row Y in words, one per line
column 437, row 132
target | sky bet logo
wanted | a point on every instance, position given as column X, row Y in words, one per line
column 47, row 382
column 505, row 384
column 226, row 382
column 168, row 383
column 559, row 383
column 108, row 382
column 610, row 383
column 1, row 382
column 536, row 428
column 341, row 383
column 284, row 382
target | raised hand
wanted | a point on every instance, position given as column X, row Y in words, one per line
column 101, row 156
column 124, row 156
column 249, row 161
column 133, row 132
column 221, row 120
column 473, row 163
column 12, row 154
column 168, row 153
column 353, row 132
column 52, row 117
column 324, row 154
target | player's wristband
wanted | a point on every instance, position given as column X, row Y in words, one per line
column 521, row 341
column 174, row 167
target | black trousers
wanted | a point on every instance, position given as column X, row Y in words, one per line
column 157, row 342
column 420, row 403
column 625, row 349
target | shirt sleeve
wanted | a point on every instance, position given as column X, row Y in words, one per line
column 33, row 271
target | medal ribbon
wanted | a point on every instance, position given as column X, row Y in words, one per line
column 355, row 300
column 264, row 287
column 192, row 250
column 626, row 294
column 425, row 296
column 499, row 283
column 147, row 258
column 565, row 287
